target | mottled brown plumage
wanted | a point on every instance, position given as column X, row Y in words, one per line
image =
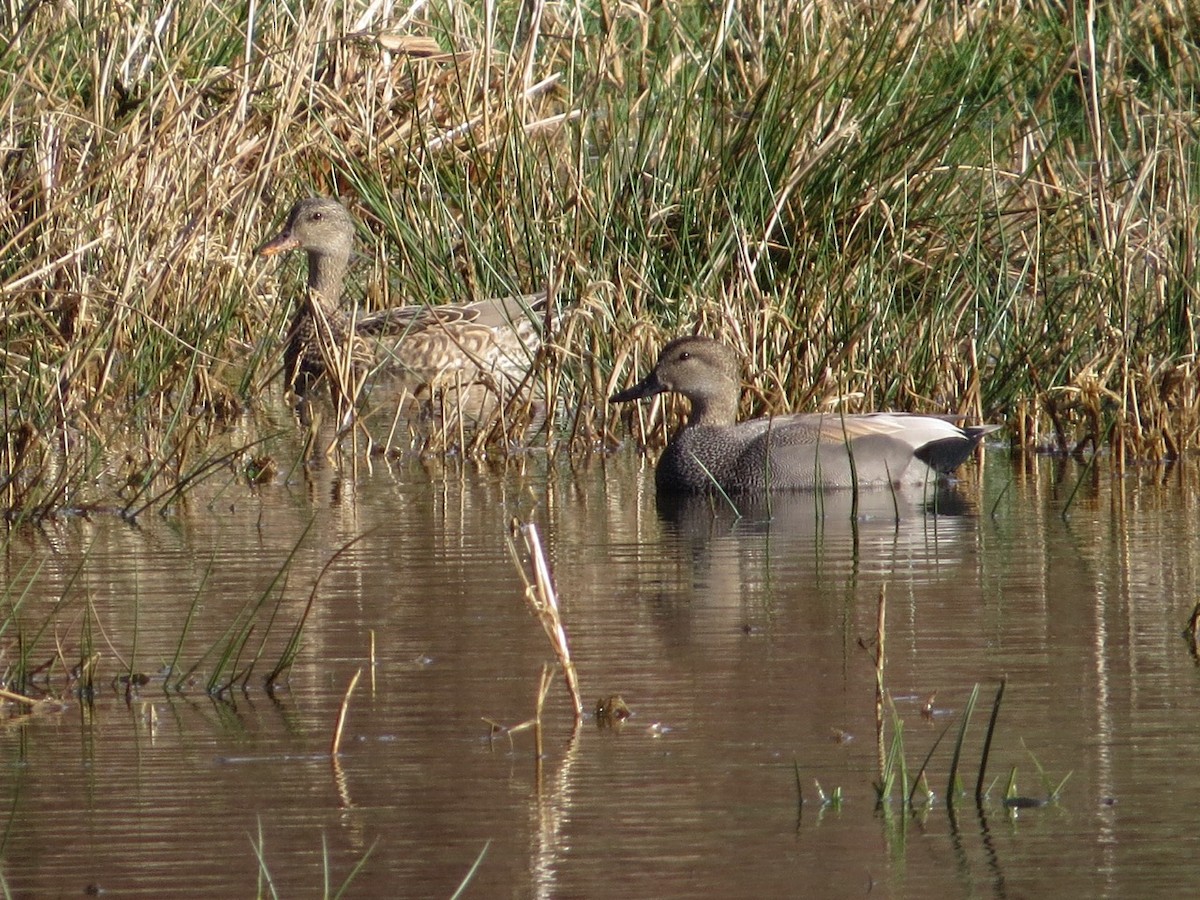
column 491, row 340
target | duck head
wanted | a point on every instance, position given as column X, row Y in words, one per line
column 322, row 228
column 316, row 224
column 705, row 371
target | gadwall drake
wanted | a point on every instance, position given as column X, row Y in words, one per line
column 490, row 340
column 789, row 452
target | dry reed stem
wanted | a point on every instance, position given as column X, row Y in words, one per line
column 17, row 698
column 542, row 600
column 336, row 743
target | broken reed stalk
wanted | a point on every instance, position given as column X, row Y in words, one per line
column 543, row 602
column 342, row 710
column 17, row 698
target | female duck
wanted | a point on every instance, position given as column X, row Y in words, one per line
column 790, row 452
column 490, row 340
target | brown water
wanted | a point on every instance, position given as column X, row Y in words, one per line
column 735, row 643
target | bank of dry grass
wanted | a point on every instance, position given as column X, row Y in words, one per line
column 984, row 208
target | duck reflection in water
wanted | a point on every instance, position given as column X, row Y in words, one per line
column 800, row 512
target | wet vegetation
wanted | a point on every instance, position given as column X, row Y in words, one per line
column 919, row 207
column 895, row 778
column 64, row 653
column 266, row 882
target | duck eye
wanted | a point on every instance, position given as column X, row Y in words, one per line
column 684, row 355
column 318, row 216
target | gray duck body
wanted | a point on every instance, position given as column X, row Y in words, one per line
column 789, row 452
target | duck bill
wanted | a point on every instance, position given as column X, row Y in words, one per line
column 647, row 387
column 281, row 243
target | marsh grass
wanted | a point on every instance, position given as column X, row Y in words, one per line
column 831, row 799
column 895, row 776
column 923, row 207
column 470, row 875
column 64, row 650
column 953, row 784
column 266, row 886
column 1191, row 632
column 236, row 654
column 896, row 779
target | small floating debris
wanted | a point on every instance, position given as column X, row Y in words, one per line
column 611, row 710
